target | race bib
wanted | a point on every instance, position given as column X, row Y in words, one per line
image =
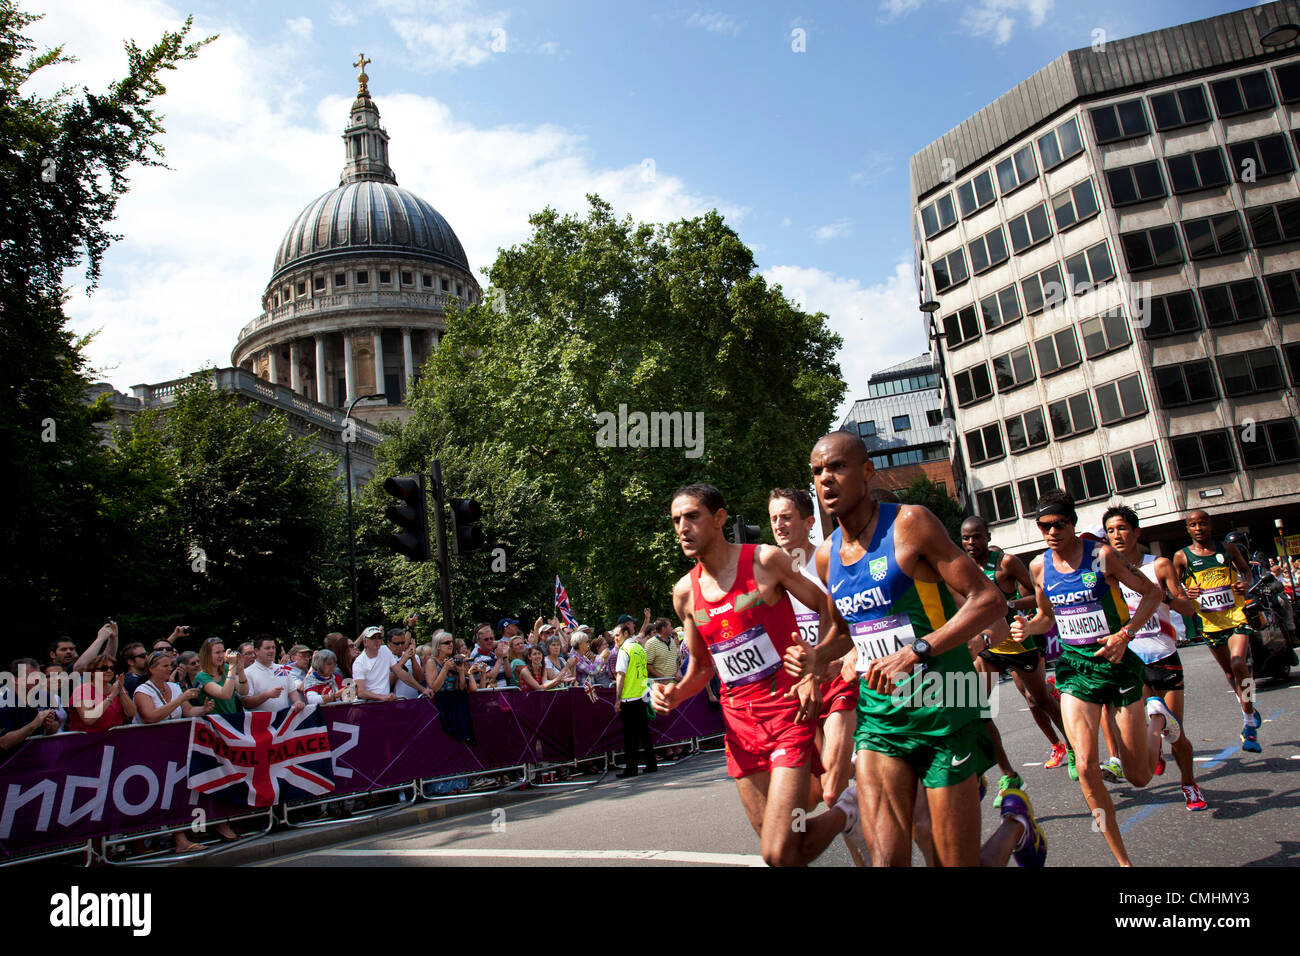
column 881, row 637
column 1217, row 599
column 808, row 626
column 1082, row 623
column 745, row 658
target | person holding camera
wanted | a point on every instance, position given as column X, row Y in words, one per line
column 447, row 670
column 220, row 678
column 159, row 699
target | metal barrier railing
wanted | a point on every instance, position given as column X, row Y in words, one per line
column 83, row 848
column 408, row 793
column 103, row 851
column 428, row 785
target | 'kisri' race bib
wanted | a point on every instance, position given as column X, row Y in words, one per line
column 881, row 637
column 1082, row 623
column 745, row 658
column 1217, row 599
column 808, row 626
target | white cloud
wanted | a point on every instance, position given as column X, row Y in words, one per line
column 833, row 230
column 879, row 323
column 342, row 15
column 992, row 18
column 714, row 22
column 876, row 166
column 299, row 27
column 247, row 156
column 549, row 48
column 447, row 34
column 786, row 221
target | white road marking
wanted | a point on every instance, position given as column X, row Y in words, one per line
column 1038, row 764
column 666, row 856
column 1294, row 757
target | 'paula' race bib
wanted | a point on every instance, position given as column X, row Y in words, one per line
column 1081, row 623
column 746, row 658
column 881, row 637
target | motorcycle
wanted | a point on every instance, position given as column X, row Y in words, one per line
column 1272, row 642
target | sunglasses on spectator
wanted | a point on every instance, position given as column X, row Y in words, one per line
column 138, row 656
column 1045, row 526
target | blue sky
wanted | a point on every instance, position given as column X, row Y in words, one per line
column 496, row 110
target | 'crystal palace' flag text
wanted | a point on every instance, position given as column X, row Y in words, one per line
column 261, row 758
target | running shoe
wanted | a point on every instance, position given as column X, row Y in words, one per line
column 1057, row 758
column 1071, row 766
column 1113, row 770
column 1008, row 781
column 1172, row 730
column 1195, row 800
column 1248, row 741
column 848, row 802
column 1032, row 850
column 1160, row 765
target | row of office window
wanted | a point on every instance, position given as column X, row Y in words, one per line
column 1251, row 160
column 1206, row 237
column 902, row 423
column 1023, row 232
column 1047, row 288
column 1019, row 169
column 911, row 456
column 1228, row 303
column 1069, row 417
column 1195, row 456
column 900, row 386
column 1239, row 374
column 1119, row 473
column 1189, row 105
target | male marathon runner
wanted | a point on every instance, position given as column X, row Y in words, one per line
column 735, row 607
column 1074, row 584
column 1215, row 578
column 790, row 510
column 893, row 572
column 1025, row 661
column 1155, row 643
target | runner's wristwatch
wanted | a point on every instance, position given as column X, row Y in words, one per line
column 921, row 648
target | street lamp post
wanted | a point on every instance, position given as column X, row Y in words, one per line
column 352, row 548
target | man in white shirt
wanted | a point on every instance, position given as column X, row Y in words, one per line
column 269, row 689
column 375, row 668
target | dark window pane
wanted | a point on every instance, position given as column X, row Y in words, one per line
column 1266, row 369
column 1137, row 251
column 1148, row 464
column 1046, row 349
column 1288, row 82
column 1006, row 502
column 1196, row 109
column 1035, row 427
column 1016, row 435
column 978, row 259
column 1218, row 305
column 980, row 381
column 1025, row 168
column 1264, row 226
column 1108, row 403
column 1282, row 294
column 1048, row 149
column 1170, row 387
column 1255, row 91
column 1009, row 304
column 993, row 441
column 1235, row 374
column 1022, row 365
column 1132, row 118
column 1059, row 413
column 1105, row 124
column 1069, row 139
column 1182, row 173
column 1273, row 155
column 1028, row 491
column 984, row 188
column 1081, row 412
column 1182, row 311
column 1288, row 215
column 1187, row 456
column 1149, row 183
column 1122, row 189
column 1074, row 483
column 957, row 265
column 1076, row 273
column 1007, row 175
column 966, row 198
column 1002, row 373
column 1067, row 349
column 1085, row 200
column 947, row 215
column 1247, row 300
column 1227, row 97
column 1032, row 288
column 1285, row 441
column 1063, row 210
column 1164, row 244
column 1019, row 230
column 1054, row 291
column 1200, row 238
column 989, row 310
column 975, row 446
column 1210, row 168
column 1038, row 227
column 1100, row 264
column 997, row 246
column 1116, row 329
column 1130, row 396
column 1121, row 466
column 1094, row 473
column 1218, row 452
column 1164, row 108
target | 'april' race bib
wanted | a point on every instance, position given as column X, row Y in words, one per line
column 1217, row 599
column 745, row 658
column 1082, row 623
column 881, row 637
column 807, row 621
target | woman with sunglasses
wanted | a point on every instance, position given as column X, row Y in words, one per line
column 101, row 701
column 1077, row 584
column 444, row 671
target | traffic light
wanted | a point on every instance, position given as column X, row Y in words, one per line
column 746, row 533
column 410, row 514
column 466, row 536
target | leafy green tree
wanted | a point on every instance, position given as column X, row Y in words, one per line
column 64, row 161
column 590, row 315
column 923, row 491
column 240, row 519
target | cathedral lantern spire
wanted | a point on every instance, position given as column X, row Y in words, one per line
column 365, row 141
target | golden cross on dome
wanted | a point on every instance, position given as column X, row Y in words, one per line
column 362, row 79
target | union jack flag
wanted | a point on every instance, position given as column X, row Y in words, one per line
column 562, row 602
column 261, row 758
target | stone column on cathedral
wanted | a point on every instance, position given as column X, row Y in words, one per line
column 408, row 358
column 295, row 370
column 349, row 369
column 273, row 371
column 378, row 337
column 321, row 378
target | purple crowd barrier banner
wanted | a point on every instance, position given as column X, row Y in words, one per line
column 71, row 787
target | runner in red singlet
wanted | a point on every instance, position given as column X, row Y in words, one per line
column 735, row 607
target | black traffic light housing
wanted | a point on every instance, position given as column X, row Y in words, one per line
column 746, row 533
column 466, row 535
column 411, row 515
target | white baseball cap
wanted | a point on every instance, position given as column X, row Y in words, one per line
column 373, row 631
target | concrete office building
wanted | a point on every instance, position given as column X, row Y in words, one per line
column 902, row 423
column 1111, row 251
